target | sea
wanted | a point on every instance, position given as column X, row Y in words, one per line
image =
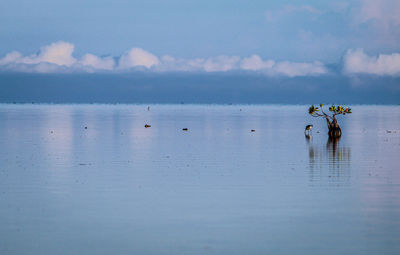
column 198, row 179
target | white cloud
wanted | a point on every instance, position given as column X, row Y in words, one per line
column 221, row 63
column 169, row 63
column 356, row 61
column 57, row 57
column 214, row 64
column 96, row 62
column 382, row 20
column 293, row 69
column 384, row 12
column 59, row 53
column 10, row 58
column 47, row 60
column 255, row 63
column 285, row 68
column 138, row 57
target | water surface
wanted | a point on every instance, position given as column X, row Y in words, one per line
column 116, row 187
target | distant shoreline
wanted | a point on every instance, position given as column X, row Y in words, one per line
column 172, row 104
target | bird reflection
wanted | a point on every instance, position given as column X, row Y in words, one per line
column 330, row 164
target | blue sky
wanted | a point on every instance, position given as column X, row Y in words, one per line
column 269, row 38
column 282, row 30
column 279, row 30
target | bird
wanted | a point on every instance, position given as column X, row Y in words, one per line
column 147, row 126
column 185, row 129
column 308, row 128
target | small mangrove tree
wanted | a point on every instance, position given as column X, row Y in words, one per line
column 333, row 126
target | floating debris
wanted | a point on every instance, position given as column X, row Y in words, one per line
column 147, row 126
column 85, row 164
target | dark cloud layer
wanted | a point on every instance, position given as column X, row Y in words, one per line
column 220, row 88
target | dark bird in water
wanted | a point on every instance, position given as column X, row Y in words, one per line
column 307, row 130
column 253, row 130
column 184, row 129
column 85, row 127
column 148, row 108
column 147, row 126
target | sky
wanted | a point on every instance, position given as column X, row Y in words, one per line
column 350, row 41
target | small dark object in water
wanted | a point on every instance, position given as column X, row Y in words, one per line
column 51, row 131
column 147, row 126
column 253, row 130
column 148, row 108
column 184, row 129
column 85, row 127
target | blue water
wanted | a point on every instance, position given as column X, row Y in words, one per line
column 218, row 188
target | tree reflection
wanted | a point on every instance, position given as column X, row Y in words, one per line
column 330, row 164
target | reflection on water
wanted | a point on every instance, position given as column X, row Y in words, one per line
column 333, row 155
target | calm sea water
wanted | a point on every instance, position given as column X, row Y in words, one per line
column 218, row 188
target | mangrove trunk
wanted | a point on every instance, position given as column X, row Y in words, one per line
column 334, row 128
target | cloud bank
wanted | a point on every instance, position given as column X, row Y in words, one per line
column 58, row 57
column 138, row 57
column 93, row 61
column 356, row 61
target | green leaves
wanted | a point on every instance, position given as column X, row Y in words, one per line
column 312, row 110
column 340, row 110
column 336, row 110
